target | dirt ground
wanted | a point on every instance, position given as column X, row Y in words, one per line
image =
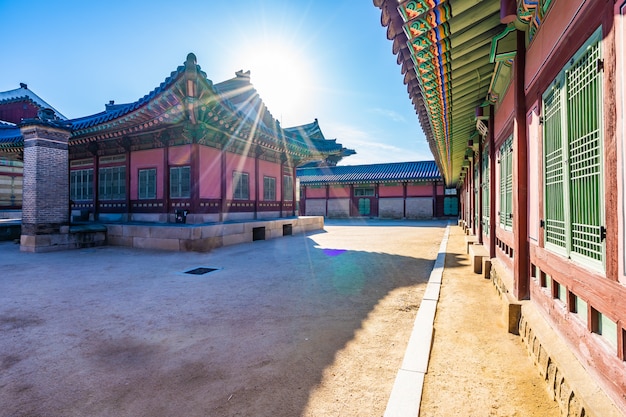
column 309, row 325
column 476, row 368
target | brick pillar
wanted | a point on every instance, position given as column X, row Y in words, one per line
column 46, row 196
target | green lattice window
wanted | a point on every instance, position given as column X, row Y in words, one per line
column 180, row 182
column 485, row 190
column 572, row 131
column 506, row 184
column 112, row 183
column 81, row 185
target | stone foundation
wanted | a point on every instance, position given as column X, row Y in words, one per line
column 75, row 237
column 204, row 238
column 569, row 384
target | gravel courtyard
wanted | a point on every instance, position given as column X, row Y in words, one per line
column 306, row 325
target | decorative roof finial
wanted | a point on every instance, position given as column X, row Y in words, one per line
column 191, row 59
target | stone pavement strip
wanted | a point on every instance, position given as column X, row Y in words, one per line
column 460, row 359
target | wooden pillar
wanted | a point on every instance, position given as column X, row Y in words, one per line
column 257, row 153
column 351, row 201
column 492, row 185
column 404, row 187
column 223, row 206
column 93, row 148
column 434, row 198
column 166, row 180
column 293, row 190
column 479, row 211
column 472, row 210
column 195, row 177
column 327, row 197
column 520, row 176
column 126, row 144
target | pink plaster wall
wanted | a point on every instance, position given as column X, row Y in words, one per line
column 419, row 190
column 152, row 158
column 390, row 191
column 546, row 43
column 316, row 192
column 180, row 155
column 210, row 172
column 239, row 163
column 504, row 116
column 270, row 169
column 342, row 192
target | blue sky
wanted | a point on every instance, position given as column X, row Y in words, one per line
column 324, row 59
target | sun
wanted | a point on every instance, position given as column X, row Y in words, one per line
column 282, row 77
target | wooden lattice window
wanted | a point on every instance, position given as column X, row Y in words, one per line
column 506, row 184
column 180, row 182
column 241, row 186
column 81, row 184
column 147, row 184
column 269, row 189
column 112, row 183
column 287, row 188
column 572, row 131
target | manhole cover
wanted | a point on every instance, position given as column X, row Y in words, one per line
column 200, row 271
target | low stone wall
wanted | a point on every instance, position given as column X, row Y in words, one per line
column 569, row 384
column 70, row 237
column 339, row 208
column 419, row 208
column 390, row 208
column 203, row 238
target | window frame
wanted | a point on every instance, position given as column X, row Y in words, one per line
column 269, row 188
column 177, row 188
column 143, row 190
column 287, row 188
column 241, row 185
column 560, row 164
column 84, row 192
column 112, row 183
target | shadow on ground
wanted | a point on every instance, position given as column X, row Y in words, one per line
column 114, row 331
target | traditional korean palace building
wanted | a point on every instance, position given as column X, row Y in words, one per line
column 523, row 104
column 412, row 190
column 211, row 151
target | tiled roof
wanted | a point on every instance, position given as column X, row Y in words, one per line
column 22, row 94
column 118, row 110
column 10, row 135
column 398, row 171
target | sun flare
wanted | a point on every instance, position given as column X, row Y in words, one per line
column 282, row 78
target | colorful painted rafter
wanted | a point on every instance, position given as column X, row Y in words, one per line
column 531, row 13
column 428, row 31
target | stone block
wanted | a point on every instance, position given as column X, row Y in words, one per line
column 156, row 243
column 211, row 231
column 136, row 231
column 235, row 239
column 477, row 254
column 170, row 232
column 115, row 240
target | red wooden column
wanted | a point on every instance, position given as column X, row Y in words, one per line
column 93, row 148
column 479, row 212
column 351, row 201
column 327, row 197
column 520, row 176
column 492, row 184
column 166, row 177
column 404, row 186
column 223, row 207
column 126, row 144
column 195, row 177
column 293, row 190
column 257, row 153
